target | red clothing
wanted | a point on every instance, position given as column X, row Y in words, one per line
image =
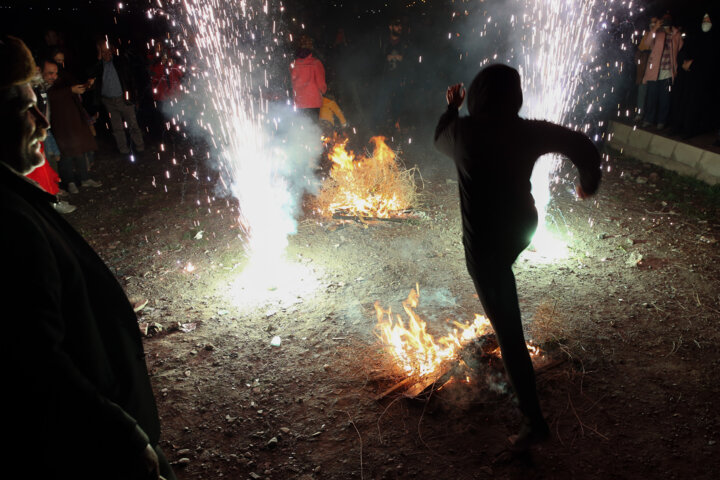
column 165, row 81
column 46, row 177
column 657, row 43
column 308, row 82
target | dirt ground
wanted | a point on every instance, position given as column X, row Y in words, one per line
column 629, row 317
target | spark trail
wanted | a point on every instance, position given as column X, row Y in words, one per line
column 265, row 152
column 554, row 45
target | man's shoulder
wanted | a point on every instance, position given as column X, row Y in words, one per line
column 19, row 214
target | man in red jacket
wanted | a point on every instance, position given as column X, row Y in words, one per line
column 308, row 82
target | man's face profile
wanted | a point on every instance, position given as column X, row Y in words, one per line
column 24, row 128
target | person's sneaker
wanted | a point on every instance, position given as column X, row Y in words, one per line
column 72, row 188
column 64, row 207
column 91, row 183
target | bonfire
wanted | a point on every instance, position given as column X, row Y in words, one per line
column 421, row 358
column 372, row 186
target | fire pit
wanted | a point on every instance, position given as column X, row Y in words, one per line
column 370, row 187
column 426, row 361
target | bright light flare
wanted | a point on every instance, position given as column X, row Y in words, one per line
column 280, row 283
column 232, row 49
column 560, row 45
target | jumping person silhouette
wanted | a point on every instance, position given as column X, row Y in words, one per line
column 494, row 150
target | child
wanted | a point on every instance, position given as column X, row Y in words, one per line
column 494, row 151
column 328, row 113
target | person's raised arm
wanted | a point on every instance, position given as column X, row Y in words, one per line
column 578, row 148
column 445, row 131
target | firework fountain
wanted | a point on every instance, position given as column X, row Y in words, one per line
column 265, row 152
column 553, row 44
column 558, row 44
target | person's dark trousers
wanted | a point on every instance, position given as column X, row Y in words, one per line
column 495, row 285
column 73, row 169
column 657, row 104
column 679, row 103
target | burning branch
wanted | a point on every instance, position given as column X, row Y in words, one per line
column 424, row 360
column 373, row 186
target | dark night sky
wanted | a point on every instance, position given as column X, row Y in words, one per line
column 83, row 20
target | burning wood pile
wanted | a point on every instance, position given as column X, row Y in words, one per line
column 366, row 187
column 424, row 361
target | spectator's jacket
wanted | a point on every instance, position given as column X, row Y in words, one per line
column 642, row 54
column 308, row 82
column 76, row 389
column 656, row 43
column 70, row 122
column 495, row 151
column 165, row 81
column 125, row 74
column 330, row 110
column 46, row 177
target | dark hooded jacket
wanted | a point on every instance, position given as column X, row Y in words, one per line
column 494, row 151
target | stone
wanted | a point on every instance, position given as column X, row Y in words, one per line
column 662, row 146
column 640, row 139
column 687, row 154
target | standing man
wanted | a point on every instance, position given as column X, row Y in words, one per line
column 115, row 84
column 664, row 43
column 307, row 75
column 641, row 60
column 78, row 394
column 71, row 128
column 494, row 151
column 391, row 83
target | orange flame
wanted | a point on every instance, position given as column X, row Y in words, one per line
column 415, row 350
column 362, row 186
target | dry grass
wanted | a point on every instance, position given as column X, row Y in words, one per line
column 367, row 186
column 548, row 324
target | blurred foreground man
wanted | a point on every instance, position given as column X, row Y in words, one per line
column 77, row 396
column 494, row 151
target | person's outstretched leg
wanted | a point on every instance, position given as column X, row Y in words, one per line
column 497, row 291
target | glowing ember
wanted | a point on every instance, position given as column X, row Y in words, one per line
column 373, row 186
column 415, row 350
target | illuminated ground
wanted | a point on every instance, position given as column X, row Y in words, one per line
column 636, row 398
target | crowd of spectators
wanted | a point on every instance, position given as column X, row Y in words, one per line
column 381, row 75
column 677, row 67
column 103, row 94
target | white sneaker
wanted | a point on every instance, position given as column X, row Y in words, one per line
column 91, row 183
column 64, row 207
column 72, row 188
